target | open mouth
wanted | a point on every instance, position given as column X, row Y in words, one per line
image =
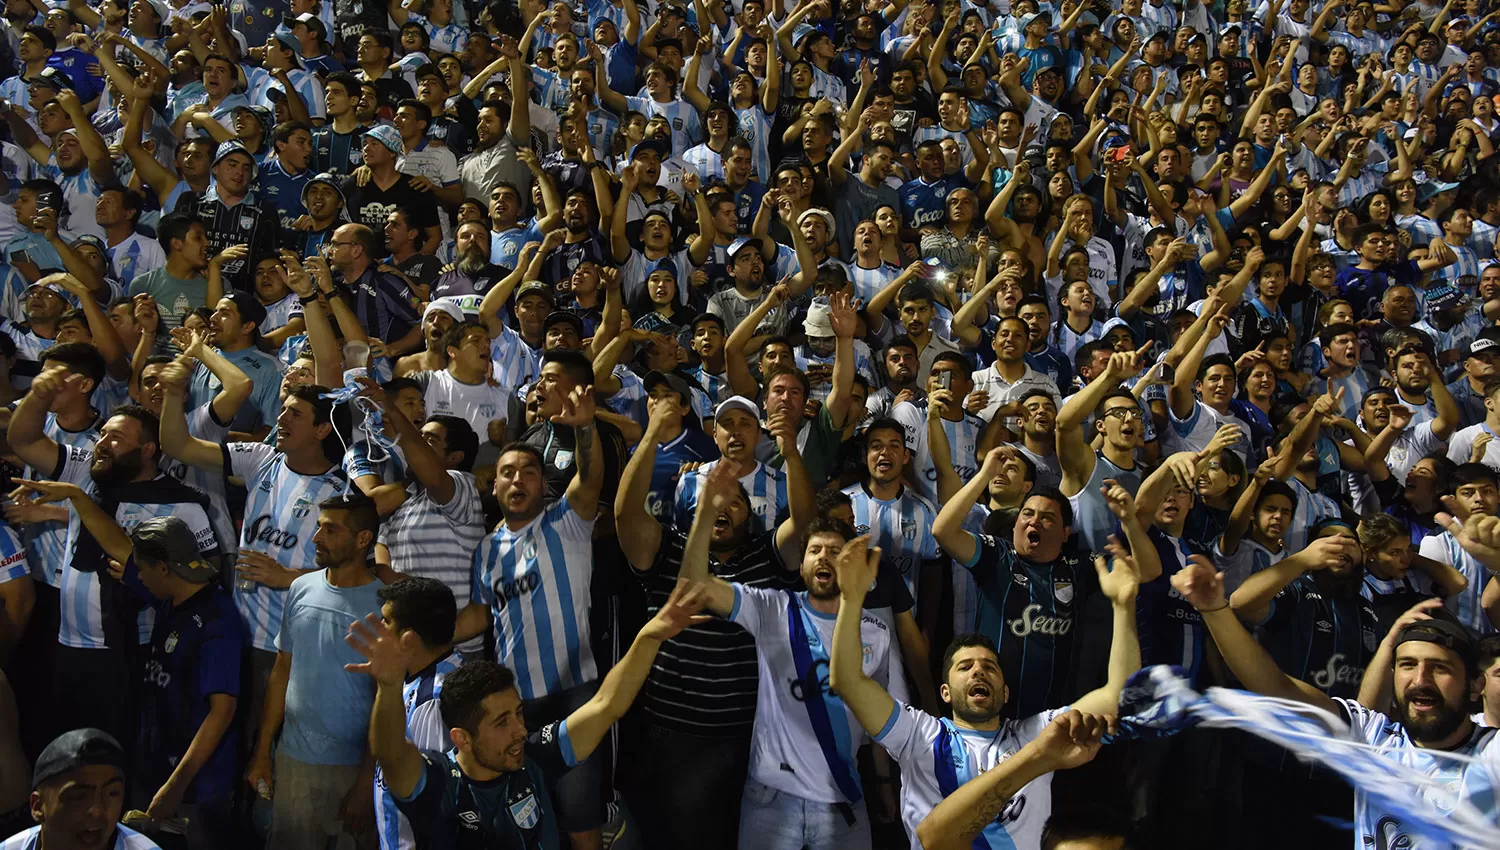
column 721, row 522
column 1033, row 537
column 1423, row 701
column 980, row 691
column 823, row 573
column 883, row 466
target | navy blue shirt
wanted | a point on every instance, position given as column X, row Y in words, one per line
column 691, row 446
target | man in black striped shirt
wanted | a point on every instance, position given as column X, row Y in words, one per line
column 232, row 214
column 698, row 705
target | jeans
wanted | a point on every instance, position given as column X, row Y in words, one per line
column 683, row 789
column 776, row 820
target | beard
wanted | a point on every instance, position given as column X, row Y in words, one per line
column 117, row 470
column 966, row 711
column 1439, row 725
column 472, row 262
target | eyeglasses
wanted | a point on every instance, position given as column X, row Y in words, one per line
column 1124, row 413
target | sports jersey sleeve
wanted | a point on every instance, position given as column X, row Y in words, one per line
column 13, row 564
column 753, row 607
column 988, row 554
column 426, row 798
column 1364, row 724
column 463, row 508
column 552, row 750
column 1283, row 608
column 908, row 732
column 241, row 460
column 288, row 610
column 425, row 727
column 566, row 519
column 480, row 592
column 1028, row 728
column 219, row 656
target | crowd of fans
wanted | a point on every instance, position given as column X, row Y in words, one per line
column 730, row 424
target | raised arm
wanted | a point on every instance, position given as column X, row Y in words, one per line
column 1203, row 588
column 948, row 528
column 716, row 491
column 26, row 435
column 1073, row 451
column 857, row 567
column 639, row 531
column 176, row 441
column 1251, row 601
column 158, row 177
column 1118, row 583
column 108, row 533
column 737, row 345
column 578, row 413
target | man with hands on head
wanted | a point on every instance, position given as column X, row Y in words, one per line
column 495, row 766
column 804, row 789
column 937, row 756
column 1435, row 675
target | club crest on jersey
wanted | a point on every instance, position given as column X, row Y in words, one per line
column 909, row 529
column 1063, row 590
column 170, row 643
column 866, row 651
column 246, row 222
column 302, row 508
column 563, row 460
column 530, row 552
column 677, row 124
column 525, row 812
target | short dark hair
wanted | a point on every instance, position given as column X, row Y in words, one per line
column 465, row 689
column 150, row 424
column 455, row 334
column 777, row 371
column 361, row 510
column 964, row 641
column 1052, row 493
column 351, row 84
column 826, row 500
column 1472, row 473
column 173, row 227
column 460, row 437
column 1334, row 331
column 575, row 364
column 1213, row 360
column 1275, row 488
column 824, row 525
column 886, row 423
column 423, row 111
column 424, row 605
column 524, row 448
column 80, row 357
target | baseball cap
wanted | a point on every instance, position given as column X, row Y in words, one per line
column 665, row 264
column 1441, row 298
column 662, row 147
column 327, row 178
column 51, row 78
column 78, row 748
column 535, row 287
column 1031, row 16
column 311, row 21
column 92, row 240
column 736, row 246
column 1480, row 345
column 676, row 382
column 169, row 539
column 560, row 317
column 441, row 306
column 251, row 310
column 291, row 42
column 388, row 136
column 737, row 402
column 818, row 322
column 1440, row 631
column 233, row 147
column 55, row 288
column 160, row 8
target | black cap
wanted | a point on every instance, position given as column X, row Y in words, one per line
column 562, row 316
column 676, row 382
column 251, row 310
column 72, row 750
column 1446, row 633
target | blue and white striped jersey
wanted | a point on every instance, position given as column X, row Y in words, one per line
column 424, row 728
column 47, row 542
column 1467, row 606
column 450, row 38
column 1312, row 508
column 1249, row 559
column 1473, row 779
column 937, row 756
column 516, row 363
column 901, row 527
column 869, row 282
column 963, row 444
column 281, row 515
column 687, row 130
column 125, row 839
column 134, row 256
column 704, row 160
column 755, row 125
column 13, row 565
column 1422, row 229
column 1482, row 239
column 205, row 426
column 1463, row 274
column 305, row 84
column 716, row 386
column 536, row 582
column 788, row 751
column 766, row 486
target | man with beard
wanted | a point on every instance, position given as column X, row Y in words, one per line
column 1035, row 621
column 1420, row 388
column 233, row 331
column 901, row 383
column 499, row 132
column 1315, row 623
column 472, row 275
column 1399, row 437
column 94, row 662
column 541, row 560
column 232, row 213
column 1473, row 492
column 565, row 367
column 581, row 241
column 318, row 706
column 803, row 787
column 1436, row 678
column 1037, row 409
column 699, row 702
column 938, row 755
column 1119, row 419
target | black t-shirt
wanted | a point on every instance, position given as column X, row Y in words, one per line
column 514, row 811
column 557, row 447
column 370, row 205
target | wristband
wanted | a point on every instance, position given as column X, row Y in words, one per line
column 1211, row 610
column 308, row 301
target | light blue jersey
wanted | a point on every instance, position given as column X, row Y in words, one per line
column 937, row 756
column 755, row 126
column 47, row 542
column 125, row 839
column 901, row 527
column 963, row 444
column 1312, row 508
column 1473, row 780
column 765, row 485
column 687, row 130
column 536, row 582
column 805, row 737
column 1467, row 606
column 281, row 515
column 425, row 729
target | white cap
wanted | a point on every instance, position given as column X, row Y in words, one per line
column 737, row 402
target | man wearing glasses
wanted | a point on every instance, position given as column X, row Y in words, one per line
column 385, row 305
column 1118, row 421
